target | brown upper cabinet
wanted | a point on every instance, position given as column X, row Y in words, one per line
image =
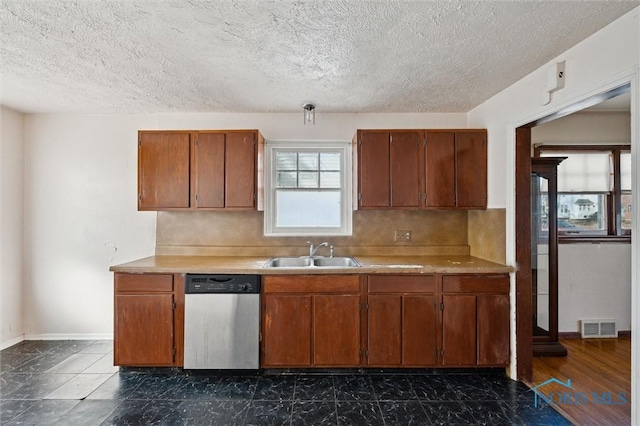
column 204, row 170
column 389, row 169
column 414, row 169
column 456, row 169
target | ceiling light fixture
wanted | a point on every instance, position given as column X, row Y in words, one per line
column 309, row 113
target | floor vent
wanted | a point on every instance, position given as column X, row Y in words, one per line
column 599, row 328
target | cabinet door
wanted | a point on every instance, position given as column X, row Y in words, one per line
column 287, row 331
column 373, row 170
column 493, row 329
column 336, row 330
column 419, row 330
column 385, row 330
column 163, row 170
column 240, row 170
column 440, row 171
column 405, row 169
column 143, row 330
column 209, row 170
column 471, row 170
column 459, row 330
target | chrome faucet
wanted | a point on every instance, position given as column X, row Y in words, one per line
column 313, row 250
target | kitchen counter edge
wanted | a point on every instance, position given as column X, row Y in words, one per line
column 369, row 265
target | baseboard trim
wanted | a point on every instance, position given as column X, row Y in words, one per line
column 56, row 336
column 577, row 335
column 11, row 342
column 569, row 335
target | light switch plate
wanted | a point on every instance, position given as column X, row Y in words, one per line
column 403, row 235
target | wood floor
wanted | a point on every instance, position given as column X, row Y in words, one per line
column 600, row 375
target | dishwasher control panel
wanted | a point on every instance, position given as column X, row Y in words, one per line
column 232, row 283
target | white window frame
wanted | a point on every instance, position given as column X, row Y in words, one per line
column 346, row 213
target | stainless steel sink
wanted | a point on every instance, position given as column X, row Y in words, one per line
column 343, row 262
column 309, row 262
column 289, row 262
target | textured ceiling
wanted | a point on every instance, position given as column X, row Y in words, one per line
column 148, row 56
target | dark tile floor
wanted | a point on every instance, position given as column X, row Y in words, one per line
column 75, row 383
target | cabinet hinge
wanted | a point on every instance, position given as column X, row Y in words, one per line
column 196, row 197
column 139, row 197
column 255, row 196
column 359, row 196
column 390, row 138
column 139, row 143
column 174, row 352
column 366, row 306
column 424, row 141
column 442, row 353
column 442, row 306
column 360, row 142
column 173, row 306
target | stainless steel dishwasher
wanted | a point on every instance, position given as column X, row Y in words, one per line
column 222, row 322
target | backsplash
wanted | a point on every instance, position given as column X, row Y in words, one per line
column 241, row 234
column 487, row 234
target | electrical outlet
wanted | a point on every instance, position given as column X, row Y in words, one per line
column 403, row 235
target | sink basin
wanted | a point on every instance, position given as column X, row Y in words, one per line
column 343, row 262
column 307, row 262
column 289, row 262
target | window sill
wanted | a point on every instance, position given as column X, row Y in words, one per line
column 595, row 239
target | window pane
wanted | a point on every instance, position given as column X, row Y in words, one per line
column 625, row 171
column 583, row 172
column 626, row 200
column 308, row 161
column 582, row 213
column 329, row 179
column 286, row 180
column 307, row 179
column 286, row 160
column 308, row 209
column 330, row 161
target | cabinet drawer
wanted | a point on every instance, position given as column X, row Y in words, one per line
column 496, row 284
column 311, row 284
column 402, row 283
column 144, row 283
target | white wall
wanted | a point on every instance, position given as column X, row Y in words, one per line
column 81, row 203
column 80, row 212
column 594, row 280
column 603, row 61
column 11, row 225
column 594, row 283
column 585, row 128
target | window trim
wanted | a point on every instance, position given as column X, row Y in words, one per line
column 271, row 146
column 615, row 233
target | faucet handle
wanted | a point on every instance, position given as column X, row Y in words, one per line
column 331, row 251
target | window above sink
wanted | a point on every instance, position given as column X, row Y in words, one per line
column 307, row 188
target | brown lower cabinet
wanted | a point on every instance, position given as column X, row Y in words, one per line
column 310, row 321
column 333, row 321
column 402, row 321
column 407, row 321
column 475, row 320
column 148, row 320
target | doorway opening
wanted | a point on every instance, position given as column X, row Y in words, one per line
column 598, row 235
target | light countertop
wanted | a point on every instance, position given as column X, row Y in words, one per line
column 370, row 265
